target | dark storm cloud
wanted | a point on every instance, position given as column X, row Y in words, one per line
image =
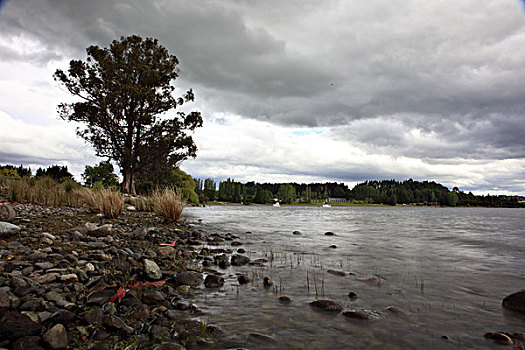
column 430, row 80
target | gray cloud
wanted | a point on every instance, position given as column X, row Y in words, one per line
column 432, row 80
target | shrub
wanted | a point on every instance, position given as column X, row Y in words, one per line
column 168, row 204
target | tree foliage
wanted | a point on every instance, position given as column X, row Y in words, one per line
column 103, row 172
column 124, row 90
column 56, row 172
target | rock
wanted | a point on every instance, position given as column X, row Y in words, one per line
column 326, row 305
column 63, row 317
column 239, row 260
column 285, row 299
column 170, row 346
column 7, row 229
column 69, row 278
column 14, row 325
column 100, row 297
column 267, row 281
column 4, row 299
column 243, row 279
column 362, row 314
column 27, row 343
column 297, row 233
column 515, row 301
column 166, row 251
column 241, row 251
column 152, row 269
column 56, row 337
column 188, row 278
column 98, row 346
column 47, row 278
column 500, row 337
column 258, row 337
column 114, row 322
column 7, row 213
column 236, row 243
column 396, row 310
column 152, row 296
column 102, row 231
column 352, row 295
column 141, row 312
column 336, row 272
column 44, row 265
column 213, row 281
column 93, row 315
column 333, row 246
column 131, row 208
column 329, row 233
column 184, row 290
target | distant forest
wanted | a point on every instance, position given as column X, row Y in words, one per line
column 390, row 192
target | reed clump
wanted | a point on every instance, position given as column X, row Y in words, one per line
column 168, row 203
column 43, row 190
column 109, row 203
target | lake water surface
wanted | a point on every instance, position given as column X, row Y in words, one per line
column 449, row 268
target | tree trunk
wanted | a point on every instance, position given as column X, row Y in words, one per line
column 128, row 185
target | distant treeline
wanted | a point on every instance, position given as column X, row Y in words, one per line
column 389, row 192
column 56, row 172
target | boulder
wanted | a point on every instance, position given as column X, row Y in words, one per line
column 239, row 260
column 7, row 213
column 515, row 301
column 7, row 229
column 102, row 231
column 56, row 337
column 188, row 278
column 213, row 281
column 326, row 305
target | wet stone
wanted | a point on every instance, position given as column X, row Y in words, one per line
column 243, row 279
column 239, row 260
column 326, row 305
column 352, row 295
column 329, row 233
column 362, row 314
column 296, row 233
column 213, row 281
column 515, row 301
column 285, row 299
column 188, row 278
column 336, row 272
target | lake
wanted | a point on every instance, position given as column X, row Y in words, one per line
column 448, row 268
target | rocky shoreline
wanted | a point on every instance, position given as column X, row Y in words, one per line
column 73, row 279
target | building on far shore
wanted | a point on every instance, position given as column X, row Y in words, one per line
column 336, row 200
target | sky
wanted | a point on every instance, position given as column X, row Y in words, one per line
column 295, row 90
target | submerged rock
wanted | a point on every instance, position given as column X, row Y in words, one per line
column 362, row 314
column 326, row 305
column 352, row 295
column 267, row 281
column 336, row 272
column 515, row 301
column 329, row 233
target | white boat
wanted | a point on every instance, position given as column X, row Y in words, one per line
column 276, row 204
column 326, row 205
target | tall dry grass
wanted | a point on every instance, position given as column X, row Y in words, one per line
column 168, row 204
column 45, row 191
column 109, row 203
